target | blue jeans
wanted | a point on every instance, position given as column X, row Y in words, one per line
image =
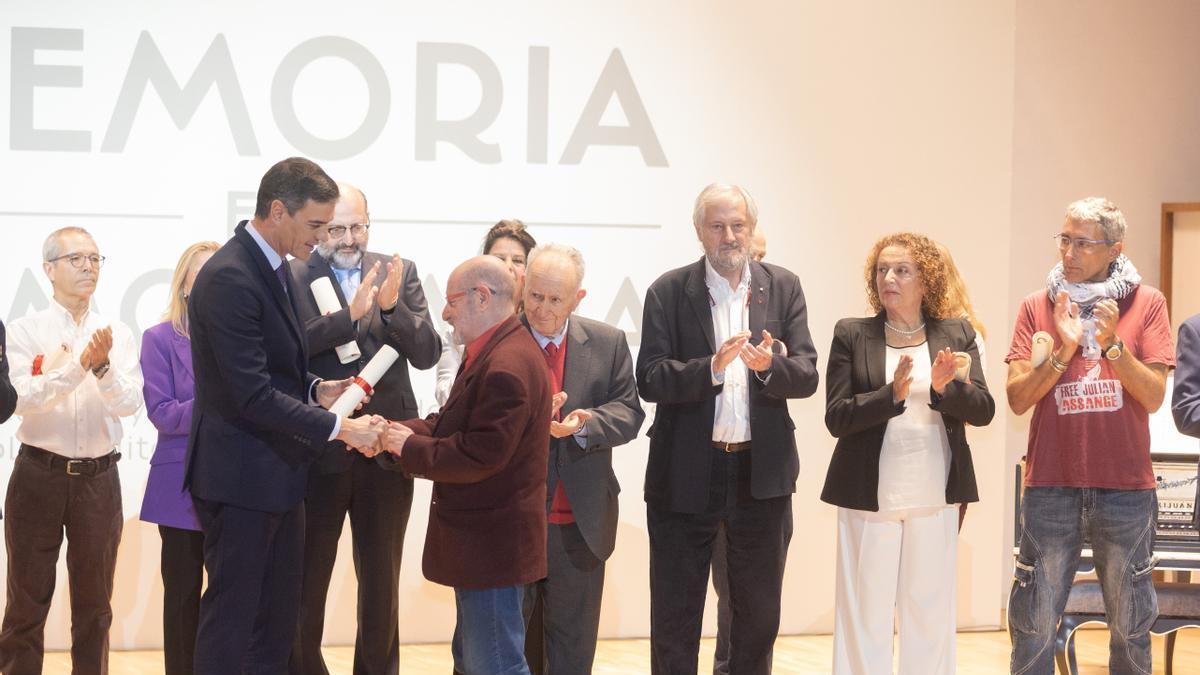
column 1120, row 525
column 489, row 637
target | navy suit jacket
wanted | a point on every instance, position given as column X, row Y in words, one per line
column 1185, row 400
column 253, row 435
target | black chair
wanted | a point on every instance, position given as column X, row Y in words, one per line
column 1178, row 607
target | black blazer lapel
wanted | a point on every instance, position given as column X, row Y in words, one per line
column 271, row 280
column 876, row 350
column 760, row 296
column 697, row 292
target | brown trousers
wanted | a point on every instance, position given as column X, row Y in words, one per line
column 43, row 503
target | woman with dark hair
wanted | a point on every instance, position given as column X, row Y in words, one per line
column 509, row 241
column 168, row 388
column 897, row 404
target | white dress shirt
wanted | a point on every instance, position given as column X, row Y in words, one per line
column 730, row 315
column 66, row 410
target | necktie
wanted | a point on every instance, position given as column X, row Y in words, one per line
column 550, row 352
column 282, row 273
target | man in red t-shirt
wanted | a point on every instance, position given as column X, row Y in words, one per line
column 1088, row 467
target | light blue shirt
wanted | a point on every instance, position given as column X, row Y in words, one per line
column 581, row 435
column 275, row 260
column 349, row 280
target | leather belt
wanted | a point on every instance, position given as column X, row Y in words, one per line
column 731, row 447
column 73, row 467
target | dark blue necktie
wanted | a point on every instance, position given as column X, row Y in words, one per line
column 282, row 273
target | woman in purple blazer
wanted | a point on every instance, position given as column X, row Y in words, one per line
column 168, row 390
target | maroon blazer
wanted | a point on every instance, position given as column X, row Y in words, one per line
column 486, row 455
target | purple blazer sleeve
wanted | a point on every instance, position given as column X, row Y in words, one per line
column 170, row 415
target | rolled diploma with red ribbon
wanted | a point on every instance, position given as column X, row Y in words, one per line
column 365, row 383
column 327, row 303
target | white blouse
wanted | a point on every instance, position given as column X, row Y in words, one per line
column 914, row 462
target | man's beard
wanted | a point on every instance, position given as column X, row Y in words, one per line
column 340, row 260
column 728, row 260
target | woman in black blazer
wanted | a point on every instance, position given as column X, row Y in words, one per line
column 899, row 388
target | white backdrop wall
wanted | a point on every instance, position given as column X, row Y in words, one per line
column 595, row 124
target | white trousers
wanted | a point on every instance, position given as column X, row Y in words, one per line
column 897, row 563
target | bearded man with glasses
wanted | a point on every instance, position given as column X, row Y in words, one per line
column 1088, row 471
column 76, row 375
column 344, row 483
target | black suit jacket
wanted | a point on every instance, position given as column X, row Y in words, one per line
column 1185, row 400
column 8, row 395
column 407, row 328
column 858, row 405
column 674, row 370
column 597, row 376
column 253, row 435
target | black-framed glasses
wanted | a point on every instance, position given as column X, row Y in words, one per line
column 339, row 231
column 1063, row 242
column 77, row 260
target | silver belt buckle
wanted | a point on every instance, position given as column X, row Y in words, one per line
column 71, row 465
column 727, row 444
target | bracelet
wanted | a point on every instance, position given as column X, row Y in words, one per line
column 1056, row 364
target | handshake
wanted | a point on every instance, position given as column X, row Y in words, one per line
column 373, row 434
column 369, row 435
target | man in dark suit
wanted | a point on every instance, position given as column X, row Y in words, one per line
column 1185, row 399
column 590, row 365
column 254, row 433
column 486, row 455
column 343, row 481
column 722, row 445
column 8, row 395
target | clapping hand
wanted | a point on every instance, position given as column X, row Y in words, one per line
column 902, row 379
column 729, row 350
column 364, row 297
column 1067, row 324
column 389, row 292
column 758, row 357
column 95, row 354
column 570, row 424
column 944, row 370
column 556, row 403
column 1107, row 314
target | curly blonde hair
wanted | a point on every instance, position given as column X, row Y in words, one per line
column 924, row 252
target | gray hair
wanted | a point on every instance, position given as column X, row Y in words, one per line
column 569, row 253
column 1102, row 212
column 714, row 191
column 52, row 247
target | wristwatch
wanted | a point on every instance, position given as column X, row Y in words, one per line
column 1114, row 351
column 100, row 371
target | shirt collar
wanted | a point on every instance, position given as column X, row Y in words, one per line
column 66, row 313
column 471, row 350
column 715, row 281
column 542, row 340
column 273, row 258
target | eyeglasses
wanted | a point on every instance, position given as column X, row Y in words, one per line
column 339, row 231
column 455, row 297
column 1063, row 242
column 78, row 259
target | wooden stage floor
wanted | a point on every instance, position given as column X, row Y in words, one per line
column 983, row 653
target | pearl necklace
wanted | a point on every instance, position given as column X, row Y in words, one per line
column 918, row 329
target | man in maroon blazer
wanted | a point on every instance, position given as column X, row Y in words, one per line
column 486, row 455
